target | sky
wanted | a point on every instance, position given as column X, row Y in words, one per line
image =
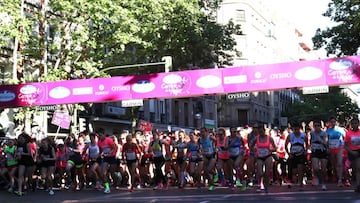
column 305, row 14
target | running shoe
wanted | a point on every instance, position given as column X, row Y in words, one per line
column 289, row 186
column 211, row 188
column 266, row 190
column 165, row 186
column 258, row 190
column 10, row 190
column 323, row 188
column 315, row 181
column 347, row 183
column 243, row 187
column 131, row 189
column 19, row 193
column 98, row 185
column 216, row 178
column 262, row 186
column 340, row 184
column 238, row 183
column 107, row 190
column 158, row 187
column 51, row 192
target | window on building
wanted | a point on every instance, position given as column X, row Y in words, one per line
column 211, row 115
column 176, row 112
column 141, row 115
column 163, row 118
column 176, row 119
column 186, row 114
column 162, row 107
column 152, row 117
column 240, row 16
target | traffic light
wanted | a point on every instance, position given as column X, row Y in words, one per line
column 168, row 63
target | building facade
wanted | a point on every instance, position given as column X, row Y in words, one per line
column 266, row 38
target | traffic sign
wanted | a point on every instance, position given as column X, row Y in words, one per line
column 132, row 102
column 316, row 89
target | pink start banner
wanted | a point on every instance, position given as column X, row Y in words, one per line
column 331, row 72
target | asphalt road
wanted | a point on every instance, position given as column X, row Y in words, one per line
column 174, row 195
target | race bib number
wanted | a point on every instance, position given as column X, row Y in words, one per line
column 20, row 150
column 317, row 146
column 334, row 143
column 207, row 150
column 106, row 150
column 10, row 157
column 297, row 149
column 194, row 155
column 130, row 156
column 158, row 153
column 234, row 151
column 355, row 141
column 263, row 152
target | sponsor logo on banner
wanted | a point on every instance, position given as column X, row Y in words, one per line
column 29, row 94
column 48, row 108
column 175, row 84
column 6, row 96
column 143, row 86
column 59, row 92
column 82, row 91
column 258, row 78
column 101, row 90
column 240, row 95
column 28, row 89
column 120, row 88
column 308, row 73
column 236, row 79
column 277, row 76
column 342, row 70
column 208, row 81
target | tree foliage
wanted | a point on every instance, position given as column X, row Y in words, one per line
column 322, row 106
column 74, row 39
column 13, row 23
column 344, row 37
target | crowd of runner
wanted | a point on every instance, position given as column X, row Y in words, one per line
column 228, row 157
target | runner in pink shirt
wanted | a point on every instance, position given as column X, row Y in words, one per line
column 108, row 152
column 352, row 145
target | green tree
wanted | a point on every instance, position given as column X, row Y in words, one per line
column 83, row 36
column 322, row 106
column 343, row 38
column 13, row 22
column 183, row 29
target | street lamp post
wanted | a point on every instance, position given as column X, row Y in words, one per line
column 166, row 61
